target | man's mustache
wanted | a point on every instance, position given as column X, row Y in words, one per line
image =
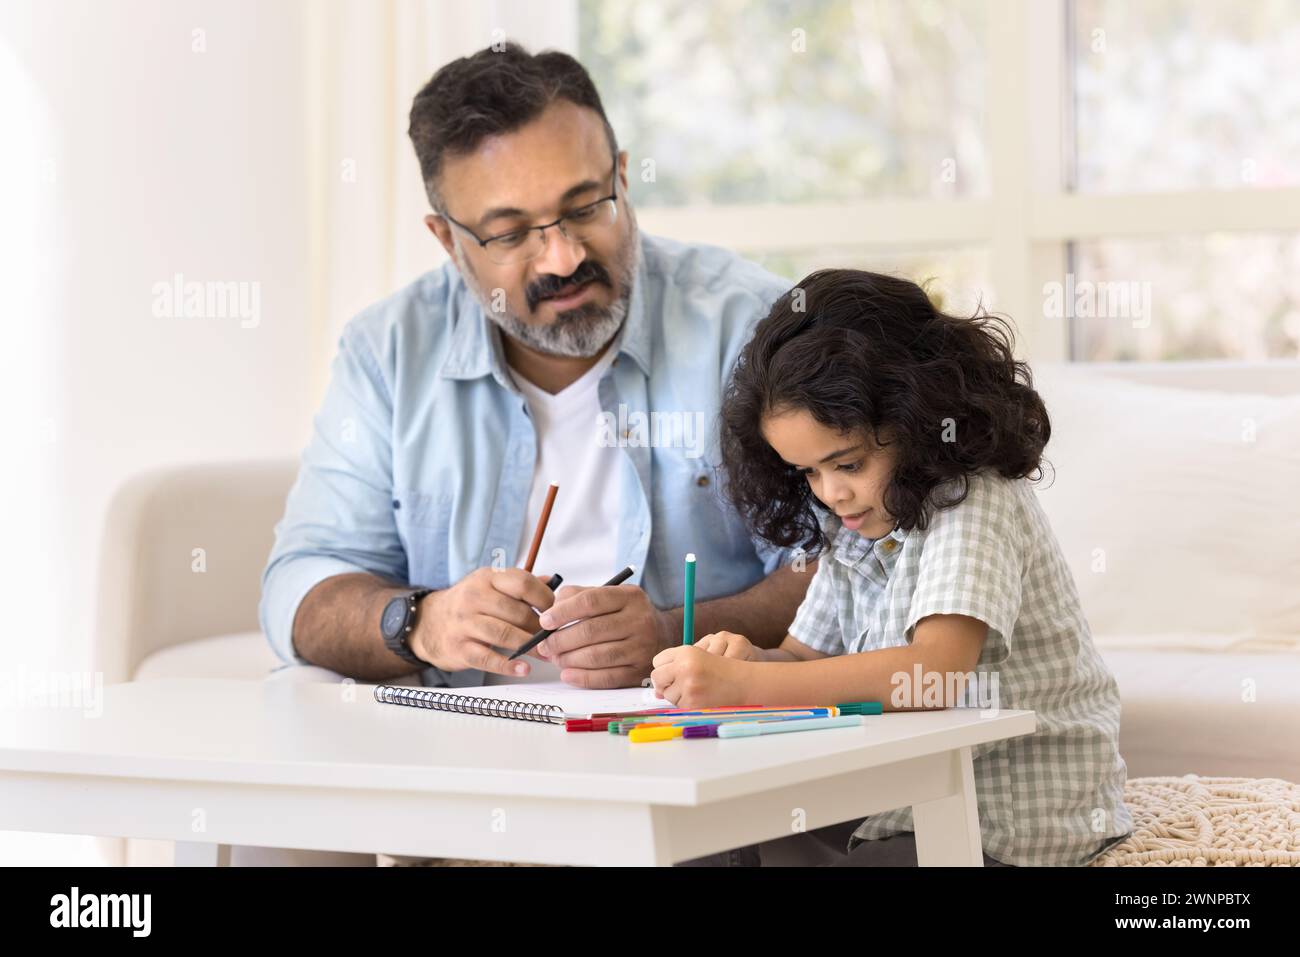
column 547, row 286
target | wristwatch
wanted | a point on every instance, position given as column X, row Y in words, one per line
column 397, row 623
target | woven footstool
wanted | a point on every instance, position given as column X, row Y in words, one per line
column 1209, row 822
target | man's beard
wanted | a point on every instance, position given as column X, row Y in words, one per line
column 579, row 333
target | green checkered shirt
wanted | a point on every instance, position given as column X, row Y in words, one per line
column 1053, row 797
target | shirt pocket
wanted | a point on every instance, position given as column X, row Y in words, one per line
column 423, row 524
column 687, row 496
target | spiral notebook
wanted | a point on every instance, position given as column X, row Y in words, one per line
column 548, row 701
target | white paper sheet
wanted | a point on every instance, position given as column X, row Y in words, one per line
column 576, row 702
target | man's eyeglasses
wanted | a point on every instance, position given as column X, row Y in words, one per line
column 581, row 224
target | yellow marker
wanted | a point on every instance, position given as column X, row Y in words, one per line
column 660, row 733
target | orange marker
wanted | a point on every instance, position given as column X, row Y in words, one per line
column 541, row 526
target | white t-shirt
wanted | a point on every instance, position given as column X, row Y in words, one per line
column 581, row 540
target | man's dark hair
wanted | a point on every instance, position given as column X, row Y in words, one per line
column 869, row 354
column 496, row 90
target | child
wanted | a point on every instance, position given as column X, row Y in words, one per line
column 897, row 442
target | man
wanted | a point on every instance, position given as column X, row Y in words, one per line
column 554, row 347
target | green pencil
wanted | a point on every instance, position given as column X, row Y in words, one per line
column 688, row 605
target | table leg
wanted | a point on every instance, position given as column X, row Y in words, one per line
column 948, row 829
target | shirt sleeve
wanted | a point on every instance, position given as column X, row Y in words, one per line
column 817, row 622
column 339, row 517
column 972, row 563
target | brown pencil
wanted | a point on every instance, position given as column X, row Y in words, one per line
column 541, row 526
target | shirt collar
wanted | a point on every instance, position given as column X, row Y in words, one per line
column 850, row 548
column 476, row 348
column 475, row 343
column 634, row 337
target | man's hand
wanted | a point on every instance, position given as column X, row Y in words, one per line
column 618, row 633
column 730, row 645
column 458, row 626
column 690, row 677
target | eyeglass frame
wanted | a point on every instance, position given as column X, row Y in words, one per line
column 483, row 243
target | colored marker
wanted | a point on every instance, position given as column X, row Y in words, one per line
column 625, row 727
column 827, row 712
column 541, row 526
column 711, row 730
column 862, row 707
column 604, row 720
column 749, row 729
column 616, row 724
column 642, row 735
column 672, row 732
column 688, row 603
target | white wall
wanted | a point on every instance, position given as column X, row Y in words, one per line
column 138, row 157
column 164, row 160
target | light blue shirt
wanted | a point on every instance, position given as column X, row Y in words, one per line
column 422, row 454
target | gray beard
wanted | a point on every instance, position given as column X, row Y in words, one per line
column 576, row 333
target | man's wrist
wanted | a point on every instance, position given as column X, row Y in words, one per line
column 670, row 629
column 424, row 614
column 404, row 645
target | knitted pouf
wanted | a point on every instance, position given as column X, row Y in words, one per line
column 1209, row 822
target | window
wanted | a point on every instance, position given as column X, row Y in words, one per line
column 954, row 278
column 1190, row 97
column 1008, row 151
column 1216, row 296
column 739, row 102
column 1186, row 94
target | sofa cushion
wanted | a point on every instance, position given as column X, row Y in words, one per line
column 1176, row 509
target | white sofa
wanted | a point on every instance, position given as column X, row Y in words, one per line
column 1176, row 497
column 1180, row 524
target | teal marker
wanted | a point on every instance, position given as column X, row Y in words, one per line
column 862, row 707
column 688, row 605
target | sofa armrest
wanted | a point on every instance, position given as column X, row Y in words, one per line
column 182, row 557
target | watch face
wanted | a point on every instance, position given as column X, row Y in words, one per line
column 394, row 617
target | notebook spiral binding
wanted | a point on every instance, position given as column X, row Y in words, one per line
column 468, row 704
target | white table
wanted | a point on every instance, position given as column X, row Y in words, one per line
column 211, row 763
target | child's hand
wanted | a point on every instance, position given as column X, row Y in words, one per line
column 729, row 645
column 690, row 677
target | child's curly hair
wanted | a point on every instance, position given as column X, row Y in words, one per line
column 867, row 354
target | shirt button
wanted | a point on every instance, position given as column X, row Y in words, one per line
column 702, row 481
column 889, row 545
